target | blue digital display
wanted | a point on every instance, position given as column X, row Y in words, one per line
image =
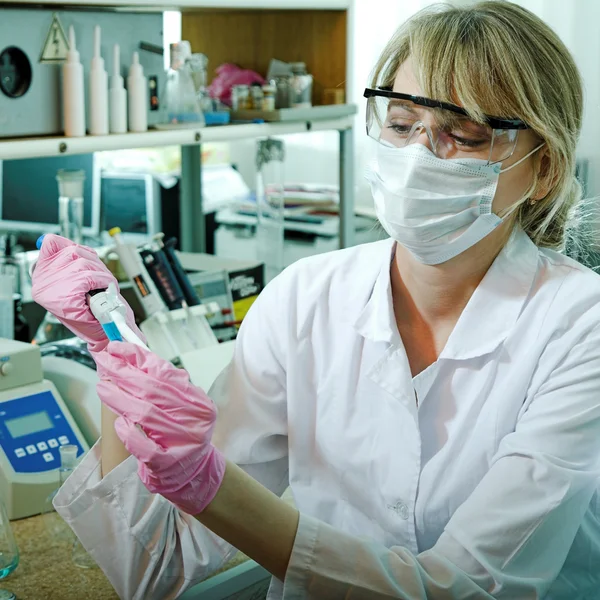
column 32, row 429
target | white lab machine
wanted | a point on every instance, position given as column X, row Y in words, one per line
column 34, row 423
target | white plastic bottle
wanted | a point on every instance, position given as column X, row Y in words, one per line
column 137, row 96
column 98, row 90
column 73, row 94
column 117, row 96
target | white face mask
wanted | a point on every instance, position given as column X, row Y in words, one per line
column 436, row 208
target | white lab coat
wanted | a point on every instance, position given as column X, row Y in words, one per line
column 485, row 488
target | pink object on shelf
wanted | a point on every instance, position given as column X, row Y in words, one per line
column 229, row 75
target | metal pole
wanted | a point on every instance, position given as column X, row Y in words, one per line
column 347, row 227
column 191, row 215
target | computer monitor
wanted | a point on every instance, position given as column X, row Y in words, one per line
column 29, row 193
column 132, row 202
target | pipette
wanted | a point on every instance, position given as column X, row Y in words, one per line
column 110, row 312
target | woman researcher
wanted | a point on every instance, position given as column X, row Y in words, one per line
column 432, row 400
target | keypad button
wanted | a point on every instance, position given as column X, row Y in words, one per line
column 31, row 449
column 48, row 456
column 41, row 446
column 20, row 452
column 53, row 443
column 63, row 439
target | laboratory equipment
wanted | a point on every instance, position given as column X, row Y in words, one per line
column 72, row 91
column 35, row 107
column 180, row 99
column 98, row 90
column 34, row 423
column 270, row 155
column 57, row 529
column 268, row 103
column 301, row 86
column 171, row 334
column 117, row 96
column 70, row 203
column 9, row 264
column 197, row 65
column 6, row 307
column 240, row 97
column 162, row 274
column 131, row 202
column 214, row 286
column 28, row 193
column 111, row 313
column 283, row 91
column 70, row 367
column 137, row 96
column 20, row 324
column 191, row 296
column 9, row 552
column 144, row 288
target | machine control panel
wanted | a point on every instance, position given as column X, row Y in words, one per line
column 32, row 429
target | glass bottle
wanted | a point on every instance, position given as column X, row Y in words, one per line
column 270, row 155
column 57, row 529
column 181, row 102
column 9, row 552
column 70, row 203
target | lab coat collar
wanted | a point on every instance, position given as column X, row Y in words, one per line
column 489, row 315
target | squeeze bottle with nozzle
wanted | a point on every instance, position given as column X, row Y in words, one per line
column 98, row 90
column 73, row 94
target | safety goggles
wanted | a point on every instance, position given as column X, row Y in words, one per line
column 397, row 119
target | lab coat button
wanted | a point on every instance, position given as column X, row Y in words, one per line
column 400, row 509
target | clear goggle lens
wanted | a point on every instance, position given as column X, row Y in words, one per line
column 449, row 135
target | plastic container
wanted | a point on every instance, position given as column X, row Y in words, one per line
column 73, row 94
column 117, row 96
column 137, row 97
column 301, row 86
column 98, row 90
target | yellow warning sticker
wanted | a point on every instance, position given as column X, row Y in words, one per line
column 56, row 45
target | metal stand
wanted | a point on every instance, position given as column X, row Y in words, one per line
column 191, row 216
column 347, row 226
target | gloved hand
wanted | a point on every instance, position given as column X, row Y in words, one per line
column 64, row 273
column 165, row 422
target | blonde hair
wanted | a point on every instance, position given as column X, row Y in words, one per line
column 499, row 59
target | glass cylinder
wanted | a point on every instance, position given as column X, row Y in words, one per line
column 270, row 155
column 70, row 203
column 57, row 529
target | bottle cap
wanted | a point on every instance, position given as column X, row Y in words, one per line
column 40, row 241
column 114, row 231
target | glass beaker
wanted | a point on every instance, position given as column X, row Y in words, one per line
column 57, row 529
column 270, row 155
column 70, row 203
column 9, row 552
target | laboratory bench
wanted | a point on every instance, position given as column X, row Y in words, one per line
column 46, row 571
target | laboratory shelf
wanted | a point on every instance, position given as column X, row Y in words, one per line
column 338, row 118
column 160, row 5
column 55, row 146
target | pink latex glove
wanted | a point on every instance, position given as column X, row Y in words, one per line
column 165, row 422
column 64, row 273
